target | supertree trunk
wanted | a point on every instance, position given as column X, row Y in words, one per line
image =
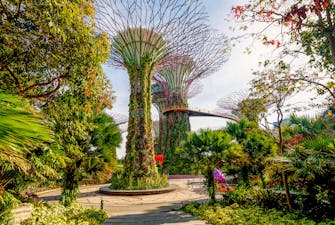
column 176, row 128
column 139, row 161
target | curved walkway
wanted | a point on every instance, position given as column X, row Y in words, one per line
column 144, row 209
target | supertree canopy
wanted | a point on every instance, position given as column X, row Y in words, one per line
column 143, row 34
column 232, row 103
column 242, row 104
column 175, row 80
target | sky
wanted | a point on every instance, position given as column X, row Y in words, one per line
column 234, row 75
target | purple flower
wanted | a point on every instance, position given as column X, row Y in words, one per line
column 219, row 176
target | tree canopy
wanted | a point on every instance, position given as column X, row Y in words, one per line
column 45, row 45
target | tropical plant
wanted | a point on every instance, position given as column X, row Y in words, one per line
column 23, row 139
column 314, row 170
column 100, row 161
column 308, row 127
column 72, row 119
column 309, row 163
column 257, row 145
column 208, row 150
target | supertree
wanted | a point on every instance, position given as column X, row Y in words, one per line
column 242, row 104
column 231, row 103
column 175, row 80
column 143, row 34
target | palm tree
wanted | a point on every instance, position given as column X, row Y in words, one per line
column 21, row 129
column 101, row 160
column 208, row 150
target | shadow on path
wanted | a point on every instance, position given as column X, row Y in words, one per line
column 79, row 195
column 161, row 215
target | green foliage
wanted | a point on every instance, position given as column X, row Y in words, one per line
column 316, row 44
column 21, row 128
column 313, row 169
column 234, row 214
column 70, row 53
column 69, row 191
column 252, row 108
column 47, row 45
column 308, row 127
column 139, row 160
column 118, row 183
column 51, row 50
column 309, row 163
column 7, row 203
column 253, row 196
column 100, row 160
column 25, row 157
column 176, row 129
column 257, row 145
column 208, row 150
column 55, row 214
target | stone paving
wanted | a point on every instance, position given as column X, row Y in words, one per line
column 143, row 209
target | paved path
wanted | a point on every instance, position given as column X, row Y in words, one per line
column 145, row 209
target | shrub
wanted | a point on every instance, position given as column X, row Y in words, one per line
column 55, row 214
column 118, row 182
column 255, row 196
column 7, row 203
column 235, row 215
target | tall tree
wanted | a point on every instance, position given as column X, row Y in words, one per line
column 50, row 50
column 72, row 115
column 267, row 86
column 44, row 44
